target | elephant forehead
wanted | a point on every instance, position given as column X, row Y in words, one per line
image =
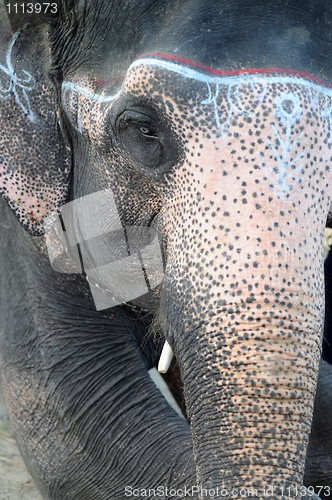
column 242, row 93
column 279, row 107
column 273, row 128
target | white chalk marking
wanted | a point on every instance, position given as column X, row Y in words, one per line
column 25, row 84
column 89, row 93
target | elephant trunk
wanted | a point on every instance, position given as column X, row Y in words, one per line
column 242, row 301
column 250, row 401
column 249, row 365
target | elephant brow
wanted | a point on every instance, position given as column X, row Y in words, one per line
column 235, row 72
column 228, row 78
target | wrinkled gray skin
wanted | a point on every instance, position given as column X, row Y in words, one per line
column 160, row 102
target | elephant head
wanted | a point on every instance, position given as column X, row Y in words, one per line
column 211, row 125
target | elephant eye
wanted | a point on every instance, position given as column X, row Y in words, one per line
column 148, row 131
column 143, row 137
column 139, row 139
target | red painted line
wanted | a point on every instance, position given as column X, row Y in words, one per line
column 221, row 72
column 233, row 72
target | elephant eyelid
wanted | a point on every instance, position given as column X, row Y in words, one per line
column 143, row 119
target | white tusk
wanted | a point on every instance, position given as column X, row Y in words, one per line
column 166, row 358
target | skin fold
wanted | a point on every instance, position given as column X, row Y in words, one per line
column 211, row 126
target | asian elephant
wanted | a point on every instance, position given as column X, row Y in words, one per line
column 169, row 166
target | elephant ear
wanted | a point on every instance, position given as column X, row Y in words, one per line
column 34, row 159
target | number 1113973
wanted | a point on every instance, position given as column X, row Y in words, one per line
column 32, row 8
